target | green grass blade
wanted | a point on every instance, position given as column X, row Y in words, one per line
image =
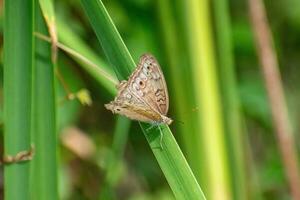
column 67, row 37
column 170, row 158
column 168, row 30
column 230, row 99
column 116, row 156
column 18, row 60
column 44, row 122
column 210, row 118
column 114, row 48
column 181, row 77
column 47, row 8
column 48, row 11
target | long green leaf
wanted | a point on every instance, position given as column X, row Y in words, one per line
column 18, row 56
column 230, row 100
column 67, row 37
column 114, row 48
column 170, row 158
column 181, row 77
column 115, row 158
column 210, row 121
column 47, row 8
column 44, row 120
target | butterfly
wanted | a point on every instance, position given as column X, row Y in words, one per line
column 144, row 97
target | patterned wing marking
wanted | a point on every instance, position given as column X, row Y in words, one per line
column 148, row 83
column 129, row 105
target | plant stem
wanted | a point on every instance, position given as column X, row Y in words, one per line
column 230, row 99
column 18, row 60
column 170, row 158
column 44, row 119
column 275, row 92
column 206, row 90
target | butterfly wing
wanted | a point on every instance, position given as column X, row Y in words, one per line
column 128, row 105
column 134, row 112
column 148, row 84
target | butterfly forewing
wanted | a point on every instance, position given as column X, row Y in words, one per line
column 144, row 97
column 132, row 107
column 148, row 82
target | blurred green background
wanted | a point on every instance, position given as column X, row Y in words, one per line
column 90, row 135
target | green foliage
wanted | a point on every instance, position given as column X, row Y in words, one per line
column 44, row 119
column 18, row 61
column 218, row 101
column 169, row 156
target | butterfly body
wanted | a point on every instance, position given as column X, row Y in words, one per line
column 144, row 97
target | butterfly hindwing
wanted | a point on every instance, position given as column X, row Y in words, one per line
column 129, row 105
column 148, row 83
column 144, row 97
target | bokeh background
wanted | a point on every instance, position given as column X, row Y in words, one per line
column 89, row 134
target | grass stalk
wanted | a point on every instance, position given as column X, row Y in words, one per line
column 114, row 48
column 230, row 98
column 18, row 61
column 47, row 8
column 180, row 76
column 44, row 119
column 170, row 158
column 113, row 161
column 273, row 84
column 202, row 55
column 97, row 71
column 67, row 37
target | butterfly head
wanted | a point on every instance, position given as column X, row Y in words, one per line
column 111, row 106
column 166, row 120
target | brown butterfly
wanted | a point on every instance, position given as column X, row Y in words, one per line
column 144, row 97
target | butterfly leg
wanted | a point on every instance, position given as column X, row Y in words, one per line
column 151, row 127
column 157, row 125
